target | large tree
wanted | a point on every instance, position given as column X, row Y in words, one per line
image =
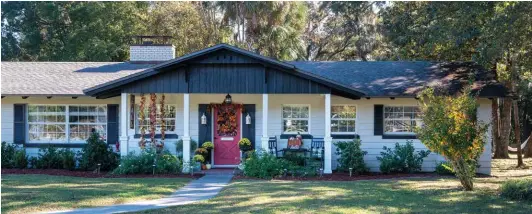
column 495, row 34
column 70, row 31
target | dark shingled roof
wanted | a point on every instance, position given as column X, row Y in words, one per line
column 375, row 79
column 405, row 78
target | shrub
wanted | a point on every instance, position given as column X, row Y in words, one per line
column 517, row 189
column 450, row 129
column 142, row 163
column 444, row 168
column 8, row 155
column 244, row 144
column 33, row 162
column 49, row 158
column 95, row 152
column 402, row 158
column 21, row 159
column 351, row 156
column 264, row 166
column 68, row 159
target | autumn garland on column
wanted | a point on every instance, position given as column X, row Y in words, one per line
column 162, row 121
column 142, row 141
column 153, row 117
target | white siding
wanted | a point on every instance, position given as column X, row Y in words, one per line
column 371, row 143
column 7, row 122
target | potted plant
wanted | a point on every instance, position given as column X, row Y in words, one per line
column 199, row 159
column 208, row 146
column 244, row 144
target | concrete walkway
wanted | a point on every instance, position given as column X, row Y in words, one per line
column 204, row 188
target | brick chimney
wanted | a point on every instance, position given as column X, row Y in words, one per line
column 151, row 49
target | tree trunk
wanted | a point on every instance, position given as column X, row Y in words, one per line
column 501, row 150
column 528, row 147
column 517, row 133
column 494, row 124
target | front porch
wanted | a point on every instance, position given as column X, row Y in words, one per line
column 185, row 122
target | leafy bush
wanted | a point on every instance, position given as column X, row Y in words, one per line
column 264, row 166
column 208, row 145
column 142, row 163
column 95, row 152
column 198, row 158
column 8, row 155
column 21, row 159
column 444, row 168
column 351, row 156
column 402, row 158
column 33, row 162
column 49, row 158
column 450, row 128
column 68, row 159
column 517, row 189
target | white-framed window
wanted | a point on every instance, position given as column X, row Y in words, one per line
column 343, row 119
column 296, row 118
column 401, row 119
column 83, row 119
column 65, row 123
column 47, row 123
column 169, row 118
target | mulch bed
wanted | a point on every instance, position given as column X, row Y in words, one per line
column 340, row 176
column 90, row 174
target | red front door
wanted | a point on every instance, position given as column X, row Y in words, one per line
column 227, row 134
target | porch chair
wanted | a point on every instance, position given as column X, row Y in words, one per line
column 317, row 149
column 272, row 146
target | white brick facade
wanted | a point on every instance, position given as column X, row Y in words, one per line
column 147, row 53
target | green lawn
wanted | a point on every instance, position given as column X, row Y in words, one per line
column 34, row 193
column 385, row 196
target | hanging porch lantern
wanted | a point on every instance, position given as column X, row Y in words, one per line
column 203, row 119
column 248, row 119
column 228, row 99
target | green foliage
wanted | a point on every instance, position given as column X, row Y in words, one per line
column 450, row 129
column 264, row 166
column 208, row 145
column 165, row 163
column 444, row 168
column 33, row 162
column 68, row 158
column 198, row 158
column 49, row 158
column 244, row 144
column 402, row 158
column 21, row 159
column 351, row 156
column 517, row 189
column 95, row 152
column 8, row 155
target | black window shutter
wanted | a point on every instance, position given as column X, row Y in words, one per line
column 19, row 126
column 248, row 131
column 378, row 120
column 112, row 123
column 205, row 131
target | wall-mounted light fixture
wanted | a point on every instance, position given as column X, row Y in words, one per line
column 228, row 99
column 203, row 119
column 248, row 119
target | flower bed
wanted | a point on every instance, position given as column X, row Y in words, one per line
column 86, row 174
column 342, row 176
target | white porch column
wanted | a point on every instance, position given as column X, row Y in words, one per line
column 328, row 139
column 186, row 132
column 124, row 139
column 264, row 138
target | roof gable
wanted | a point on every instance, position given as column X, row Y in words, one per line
column 224, row 57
